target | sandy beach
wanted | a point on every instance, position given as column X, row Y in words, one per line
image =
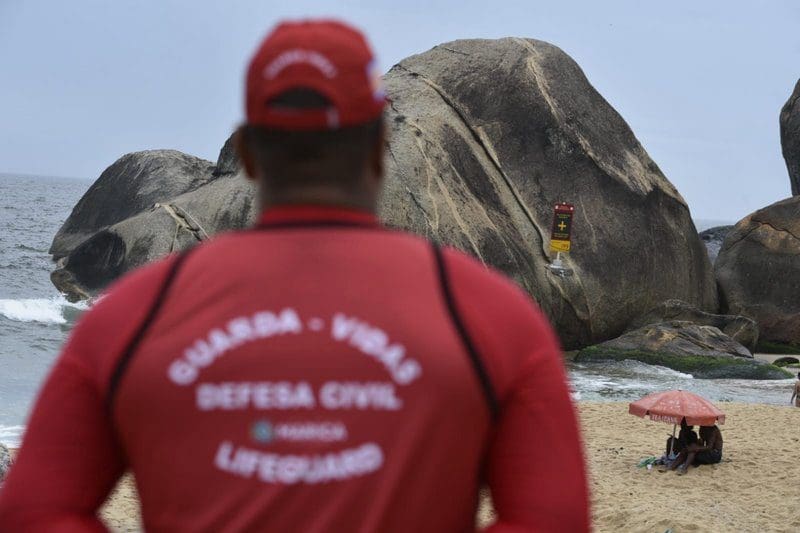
column 121, row 511
column 754, row 489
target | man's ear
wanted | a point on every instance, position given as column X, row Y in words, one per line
column 242, row 146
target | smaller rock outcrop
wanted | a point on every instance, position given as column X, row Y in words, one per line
column 228, row 161
column 790, row 137
column 758, row 270
column 680, row 338
column 5, row 461
column 740, row 328
column 702, row 351
column 713, row 238
column 130, row 185
column 224, row 204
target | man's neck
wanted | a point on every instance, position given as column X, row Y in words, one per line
column 322, row 197
column 304, row 214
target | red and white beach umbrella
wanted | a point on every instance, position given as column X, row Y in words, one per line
column 673, row 405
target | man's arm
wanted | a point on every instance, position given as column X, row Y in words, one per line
column 712, row 441
column 535, row 464
column 536, row 467
column 705, row 444
column 68, row 462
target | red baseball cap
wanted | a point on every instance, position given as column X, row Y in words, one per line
column 328, row 57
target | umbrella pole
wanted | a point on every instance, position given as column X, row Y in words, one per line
column 672, row 442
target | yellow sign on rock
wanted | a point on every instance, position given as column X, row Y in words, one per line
column 562, row 227
column 559, row 246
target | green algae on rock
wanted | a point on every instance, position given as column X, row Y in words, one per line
column 699, row 366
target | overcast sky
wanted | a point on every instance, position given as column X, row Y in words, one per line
column 700, row 83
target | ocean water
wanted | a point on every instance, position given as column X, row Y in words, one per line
column 35, row 320
column 630, row 380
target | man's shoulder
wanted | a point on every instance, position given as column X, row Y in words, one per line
column 490, row 299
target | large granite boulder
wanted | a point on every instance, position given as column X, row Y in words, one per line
column 702, row 351
column 223, row 204
column 487, row 135
column 790, row 137
column 758, row 270
column 740, row 328
column 133, row 183
column 713, row 238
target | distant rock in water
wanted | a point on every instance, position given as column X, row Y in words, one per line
column 741, row 329
column 713, row 238
column 133, row 183
column 790, row 137
column 758, row 270
column 702, row 351
column 486, row 136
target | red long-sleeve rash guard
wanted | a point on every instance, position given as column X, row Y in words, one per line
column 315, row 374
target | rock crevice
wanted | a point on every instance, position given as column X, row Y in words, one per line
column 482, row 143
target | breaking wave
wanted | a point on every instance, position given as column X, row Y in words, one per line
column 55, row 310
column 11, row 435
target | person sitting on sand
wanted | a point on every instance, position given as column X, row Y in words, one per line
column 796, row 392
column 686, row 437
column 676, row 451
column 707, row 452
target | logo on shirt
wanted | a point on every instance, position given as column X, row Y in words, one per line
column 261, row 432
column 327, row 406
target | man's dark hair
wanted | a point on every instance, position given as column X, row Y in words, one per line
column 301, row 158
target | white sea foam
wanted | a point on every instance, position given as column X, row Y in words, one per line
column 45, row 310
column 630, row 380
column 11, row 436
column 643, row 368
